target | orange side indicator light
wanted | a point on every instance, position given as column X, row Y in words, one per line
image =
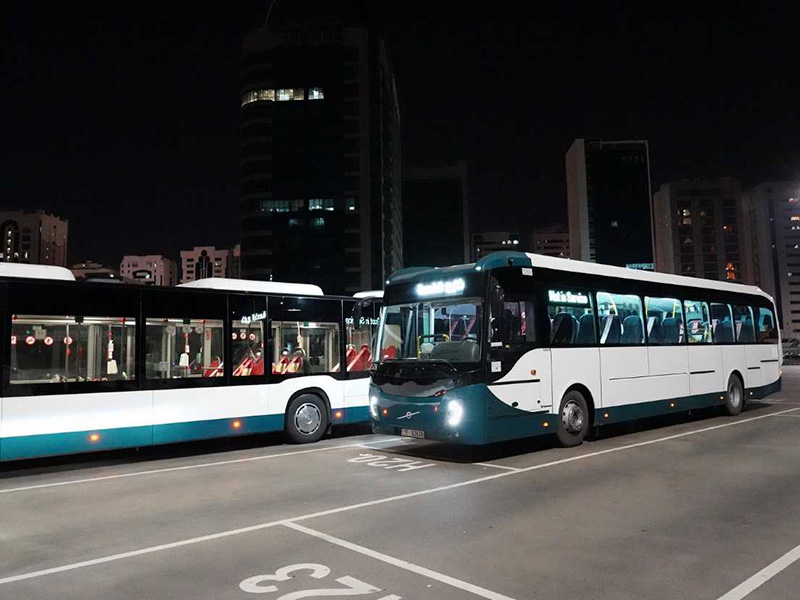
column 237, row 424
column 338, row 414
column 94, row 437
column 436, row 408
column 385, row 411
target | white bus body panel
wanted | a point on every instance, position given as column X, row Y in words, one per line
column 571, row 366
column 705, row 369
column 209, row 403
column 355, row 392
column 754, row 377
column 734, row 358
column 624, row 373
column 281, row 392
column 669, row 372
column 523, row 390
column 38, row 415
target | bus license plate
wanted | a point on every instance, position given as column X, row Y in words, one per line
column 415, row 433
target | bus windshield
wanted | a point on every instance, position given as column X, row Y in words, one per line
column 442, row 330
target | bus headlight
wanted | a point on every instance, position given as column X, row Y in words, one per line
column 455, row 412
column 373, row 406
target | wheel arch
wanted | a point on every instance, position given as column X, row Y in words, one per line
column 587, row 395
column 316, row 391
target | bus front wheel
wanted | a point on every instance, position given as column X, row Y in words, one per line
column 306, row 419
column 734, row 396
column 573, row 419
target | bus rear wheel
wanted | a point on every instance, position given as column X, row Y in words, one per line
column 734, row 396
column 306, row 419
column 573, row 419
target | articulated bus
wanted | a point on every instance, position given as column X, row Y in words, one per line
column 94, row 366
column 518, row 345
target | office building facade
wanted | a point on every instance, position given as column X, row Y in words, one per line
column 550, row 241
column 202, row 262
column 320, row 187
column 35, row 237
column 609, row 199
column 486, row 242
column 698, row 229
column 771, row 223
column 435, row 216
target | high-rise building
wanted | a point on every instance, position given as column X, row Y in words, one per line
column 151, row 269
column 435, row 216
column 35, row 237
column 320, row 197
column 203, row 261
column 90, row 270
column 235, row 262
column 550, row 241
column 771, row 223
column 608, row 194
column 698, row 229
column 486, row 242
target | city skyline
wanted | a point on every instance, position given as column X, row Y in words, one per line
column 136, row 116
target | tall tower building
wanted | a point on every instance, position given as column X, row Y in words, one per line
column 698, row 229
column 771, row 220
column 440, row 195
column 608, row 194
column 320, row 198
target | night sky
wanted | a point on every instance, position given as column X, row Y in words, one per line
column 123, row 118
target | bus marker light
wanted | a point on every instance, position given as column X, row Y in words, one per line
column 237, row 424
column 338, row 414
column 385, row 411
column 436, row 408
column 722, row 397
column 605, row 415
column 533, row 371
column 545, row 424
column 94, row 437
column 672, row 405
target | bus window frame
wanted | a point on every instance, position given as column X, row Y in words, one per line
column 256, row 298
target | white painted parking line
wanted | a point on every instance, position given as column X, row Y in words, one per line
column 497, row 466
column 350, row 507
column 763, row 576
column 440, row 577
column 173, row 469
column 793, row 416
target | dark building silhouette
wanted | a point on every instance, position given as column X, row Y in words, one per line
column 320, row 198
column 435, row 216
column 609, row 198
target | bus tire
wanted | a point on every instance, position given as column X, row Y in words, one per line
column 306, row 419
column 734, row 395
column 573, row 419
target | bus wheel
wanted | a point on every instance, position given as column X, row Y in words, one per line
column 573, row 419
column 306, row 419
column 734, row 398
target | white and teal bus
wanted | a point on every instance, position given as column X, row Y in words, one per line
column 93, row 366
column 518, row 345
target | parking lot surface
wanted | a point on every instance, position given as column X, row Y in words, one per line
column 697, row 506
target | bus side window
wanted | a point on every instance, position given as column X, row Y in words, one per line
column 698, row 322
column 767, row 330
column 570, row 318
column 359, row 338
column 621, row 322
column 744, row 326
column 248, row 318
column 304, row 334
column 664, row 321
column 721, row 323
column 184, row 348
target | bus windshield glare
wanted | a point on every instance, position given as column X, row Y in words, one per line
column 435, row 330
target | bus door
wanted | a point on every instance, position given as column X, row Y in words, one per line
column 519, row 372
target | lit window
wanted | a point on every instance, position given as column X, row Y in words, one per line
column 298, row 94
column 794, row 218
column 351, row 204
column 285, row 94
column 258, row 95
column 294, row 223
column 320, row 204
column 318, row 222
column 315, row 94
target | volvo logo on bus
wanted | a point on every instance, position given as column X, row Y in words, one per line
column 435, row 288
column 408, row 415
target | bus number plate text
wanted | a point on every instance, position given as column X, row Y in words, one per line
column 414, row 433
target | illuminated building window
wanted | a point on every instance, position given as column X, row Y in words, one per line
column 795, row 218
column 294, row 223
column 351, row 204
column 298, row 94
column 320, row 204
column 318, row 222
column 258, row 96
column 284, row 94
column 315, row 94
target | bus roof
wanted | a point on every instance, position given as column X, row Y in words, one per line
column 522, row 259
column 26, row 271
column 369, row 294
column 247, row 285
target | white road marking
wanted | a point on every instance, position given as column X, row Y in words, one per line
column 173, row 469
column 763, row 576
column 351, row 507
column 440, row 577
column 793, row 416
column 497, row 466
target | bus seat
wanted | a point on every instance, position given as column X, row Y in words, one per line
column 461, row 351
column 670, row 331
column 361, row 360
column 654, row 330
column 280, row 367
column 632, row 330
column 611, row 330
column 746, row 331
column 244, row 367
column 295, row 365
column 585, row 329
column 214, row 369
column 565, row 329
column 389, row 353
column 723, row 332
column 258, row 366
